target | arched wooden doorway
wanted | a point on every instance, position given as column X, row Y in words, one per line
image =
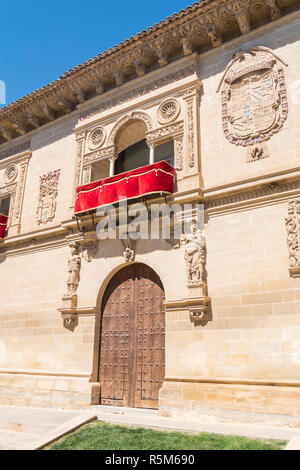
column 132, row 339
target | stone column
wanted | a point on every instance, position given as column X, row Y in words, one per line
column 152, row 154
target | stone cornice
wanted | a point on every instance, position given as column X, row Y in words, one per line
column 207, row 24
column 269, row 189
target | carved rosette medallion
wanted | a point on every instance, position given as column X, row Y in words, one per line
column 292, row 222
column 96, row 138
column 10, row 174
column 47, row 198
column 254, row 98
column 168, row 111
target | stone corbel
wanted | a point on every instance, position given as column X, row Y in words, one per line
column 158, row 47
column 186, row 46
column 139, row 68
column 129, row 249
column 65, row 104
column 70, row 316
column 19, row 127
column 33, row 120
column 119, row 77
column 197, row 308
column 215, row 36
column 49, row 113
column 7, row 133
column 243, row 20
column 275, row 10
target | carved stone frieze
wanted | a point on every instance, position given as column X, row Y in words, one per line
column 169, row 131
column 101, row 154
column 8, row 189
column 140, row 91
column 47, row 197
column 254, row 97
column 292, row 222
column 177, row 37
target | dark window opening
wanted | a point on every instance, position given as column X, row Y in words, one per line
column 138, row 155
column 4, row 206
column 165, row 152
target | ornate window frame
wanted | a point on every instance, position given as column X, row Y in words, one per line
column 15, row 188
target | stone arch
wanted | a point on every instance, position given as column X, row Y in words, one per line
column 139, row 124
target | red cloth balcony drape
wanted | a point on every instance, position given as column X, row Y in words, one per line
column 3, row 224
column 151, row 179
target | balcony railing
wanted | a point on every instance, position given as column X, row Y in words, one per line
column 154, row 179
column 3, row 224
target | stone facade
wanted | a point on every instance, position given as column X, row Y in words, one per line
column 232, row 326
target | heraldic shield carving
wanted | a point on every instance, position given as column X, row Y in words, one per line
column 254, row 97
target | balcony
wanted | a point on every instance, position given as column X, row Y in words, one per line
column 151, row 180
column 3, row 224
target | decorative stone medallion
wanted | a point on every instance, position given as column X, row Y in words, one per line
column 10, row 174
column 254, row 97
column 96, row 138
column 168, row 111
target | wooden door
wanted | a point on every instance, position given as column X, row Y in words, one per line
column 132, row 340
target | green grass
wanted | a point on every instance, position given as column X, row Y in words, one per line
column 102, row 436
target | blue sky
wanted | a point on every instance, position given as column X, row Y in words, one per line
column 42, row 40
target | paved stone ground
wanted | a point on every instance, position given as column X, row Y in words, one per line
column 20, row 427
column 23, row 427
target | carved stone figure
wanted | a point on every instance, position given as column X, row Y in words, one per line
column 195, row 255
column 47, row 198
column 254, row 97
column 74, row 265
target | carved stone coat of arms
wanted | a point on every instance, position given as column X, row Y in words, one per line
column 47, row 197
column 254, row 98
